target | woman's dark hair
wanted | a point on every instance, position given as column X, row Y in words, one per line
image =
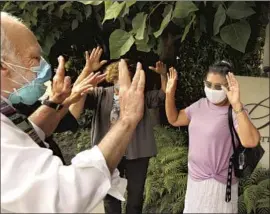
column 222, row 68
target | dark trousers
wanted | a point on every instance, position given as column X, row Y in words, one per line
column 135, row 172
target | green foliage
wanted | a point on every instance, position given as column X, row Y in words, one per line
column 220, row 18
column 239, row 10
column 254, row 193
column 236, row 35
column 183, row 9
column 53, row 17
column 167, row 173
column 230, row 19
column 120, row 43
column 181, row 13
column 167, row 18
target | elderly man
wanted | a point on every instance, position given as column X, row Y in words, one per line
column 32, row 178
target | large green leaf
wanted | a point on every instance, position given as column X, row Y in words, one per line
column 113, row 11
column 146, row 44
column 120, row 43
column 183, row 9
column 130, row 3
column 107, row 4
column 167, row 18
column 188, row 27
column 239, row 10
column 236, row 35
column 91, row 2
column 139, row 25
column 220, row 18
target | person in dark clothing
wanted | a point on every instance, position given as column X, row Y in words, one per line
column 134, row 165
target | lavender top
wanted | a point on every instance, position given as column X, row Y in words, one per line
column 210, row 146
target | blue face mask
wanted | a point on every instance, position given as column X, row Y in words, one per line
column 32, row 90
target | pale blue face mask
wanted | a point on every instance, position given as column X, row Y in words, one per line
column 33, row 90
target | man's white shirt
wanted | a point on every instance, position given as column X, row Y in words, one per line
column 34, row 180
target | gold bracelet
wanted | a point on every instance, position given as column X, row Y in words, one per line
column 239, row 111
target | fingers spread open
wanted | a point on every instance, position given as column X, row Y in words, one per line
column 60, row 72
column 136, row 77
column 86, row 56
column 67, row 84
column 124, row 78
column 93, row 53
column 141, row 83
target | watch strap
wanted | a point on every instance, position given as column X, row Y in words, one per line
column 53, row 105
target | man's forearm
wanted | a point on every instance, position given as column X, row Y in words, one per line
column 48, row 118
column 115, row 142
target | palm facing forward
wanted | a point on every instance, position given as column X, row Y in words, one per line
column 233, row 93
column 172, row 81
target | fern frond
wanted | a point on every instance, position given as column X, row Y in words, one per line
column 250, row 198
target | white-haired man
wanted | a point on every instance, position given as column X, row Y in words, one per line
column 32, row 179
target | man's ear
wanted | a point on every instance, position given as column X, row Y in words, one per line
column 4, row 70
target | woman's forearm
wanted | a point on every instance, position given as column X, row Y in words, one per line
column 171, row 110
column 76, row 109
column 163, row 79
column 247, row 132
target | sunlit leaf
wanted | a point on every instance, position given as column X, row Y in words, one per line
column 187, row 28
column 107, row 4
column 183, row 9
column 130, row 3
column 139, row 25
column 120, row 43
column 113, row 11
column 166, row 20
column 91, row 2
column 219, row 20
column 236, row 35
column 239, row 10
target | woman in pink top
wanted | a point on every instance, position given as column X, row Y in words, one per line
column 210, row 146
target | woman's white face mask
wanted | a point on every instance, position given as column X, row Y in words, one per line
column 215, row 96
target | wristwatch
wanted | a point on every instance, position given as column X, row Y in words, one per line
column 51, row 104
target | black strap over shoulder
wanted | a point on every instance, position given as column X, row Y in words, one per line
column 21, row 122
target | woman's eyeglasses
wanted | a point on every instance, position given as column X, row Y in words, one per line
column 214, row 86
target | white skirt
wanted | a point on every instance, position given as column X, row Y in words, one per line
column 208, row 196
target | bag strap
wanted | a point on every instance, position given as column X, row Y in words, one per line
column 21, row 122
column 231, row 127
column 233, row 131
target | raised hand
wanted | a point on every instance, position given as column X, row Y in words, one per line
column 160, row 68
column 131, row 94
column 84, row 86
column 61, row 85
column 172, row 81
column 233, row 93
column 93, row 62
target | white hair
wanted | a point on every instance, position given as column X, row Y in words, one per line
column 7, row 48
